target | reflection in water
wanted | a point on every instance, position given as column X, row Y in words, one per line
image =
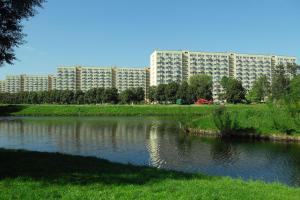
column 153, row 141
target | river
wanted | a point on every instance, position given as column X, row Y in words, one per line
column 153, row 141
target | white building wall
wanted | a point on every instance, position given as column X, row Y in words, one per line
column 167, row 66
column 2, row 86
column 35, row 83
column 95, row 77
column 66, row 78
column 130, row 78
column 13, row 84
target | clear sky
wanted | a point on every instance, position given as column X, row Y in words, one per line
column 125, row 32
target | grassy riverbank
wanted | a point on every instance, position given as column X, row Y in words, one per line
column 103, row 110
column 258, row 119
column 33, row 175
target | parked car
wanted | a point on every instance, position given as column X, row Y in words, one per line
column 203, row 101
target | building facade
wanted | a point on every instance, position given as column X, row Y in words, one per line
column 13, row 84
column 86, row 78
column 168, row 66
column 130, row 78
column 2, row 86
column 51, row 82
column 66, row 78
column 34, row 83
column 95, row 77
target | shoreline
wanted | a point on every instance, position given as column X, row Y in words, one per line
column 253, row 136
column 33, row 174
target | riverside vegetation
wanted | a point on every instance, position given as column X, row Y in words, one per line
column 264, row 119
column 34, row 175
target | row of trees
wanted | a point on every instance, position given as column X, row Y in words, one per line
column 93, row 96
column 198, row 86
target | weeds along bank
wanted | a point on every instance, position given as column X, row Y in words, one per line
column 270, row 122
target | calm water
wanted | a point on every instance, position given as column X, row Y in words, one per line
column 155, row 142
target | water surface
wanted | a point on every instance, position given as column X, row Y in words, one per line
column 153, row 141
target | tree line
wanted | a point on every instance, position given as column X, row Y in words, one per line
column 92, row 96
column 282, row 85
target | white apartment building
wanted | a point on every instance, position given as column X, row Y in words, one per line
column 35, row 83
column 95, row 77
column 66, row 78
column 13, row 84
column 51, row 82
column 167, row 66
column 2, row 86
column 130, row 78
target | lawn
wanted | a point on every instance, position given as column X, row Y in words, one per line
column 33, row 175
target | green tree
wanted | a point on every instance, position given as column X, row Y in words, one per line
column 152, row 93
column 111, row 95
column 260, row 90
column 295, row 88
column 90, row 96
column 171, row 91
column 160, row 94
column 201, row 86
column 100, row 95
column 184, row 93
column 12, row 12
column 139, row 94
column 234, row 90
column 280, row 86
column 127, row 96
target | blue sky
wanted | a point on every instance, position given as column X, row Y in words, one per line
column 125, row 32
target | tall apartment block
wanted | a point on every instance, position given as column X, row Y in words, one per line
column 2, row 86
column 13, row 84
column 27, row 83
column 51, row 82
column 95, row 77
column 167, row 66
column 130, row 78
column 33, row 83
column 85, row 78
column 66, row 78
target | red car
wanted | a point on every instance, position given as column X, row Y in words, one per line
column 203, row 101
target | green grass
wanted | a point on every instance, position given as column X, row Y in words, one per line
column 257, row 117
column 102, row 110
column 33, row 175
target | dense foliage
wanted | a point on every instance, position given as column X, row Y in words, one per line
column 12, row 12
column 93, row 96
column 234, row 92
column 198, row 86
column 260, row 90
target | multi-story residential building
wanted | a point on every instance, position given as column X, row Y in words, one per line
column 130, row 78
column 34, row 83
column 167, row 66
column 2, row 86
column 86, row 78
column 51, row 82
column 66, row 78
column 95, row 77
column 13, row 84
